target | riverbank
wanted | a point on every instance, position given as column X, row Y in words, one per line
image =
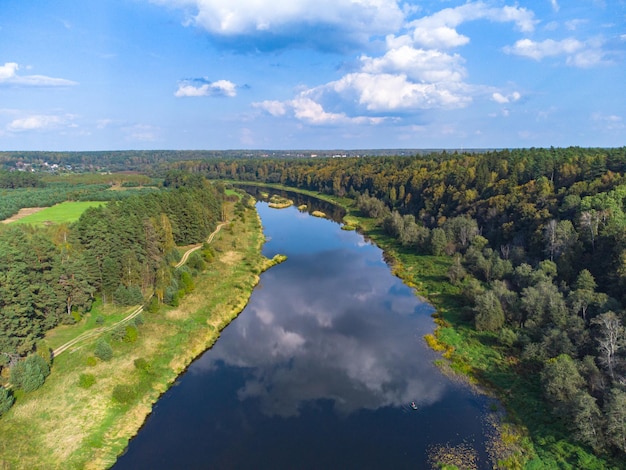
column 529, row 437
column 63, row 425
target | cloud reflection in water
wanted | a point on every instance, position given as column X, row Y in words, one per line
column 329, row 324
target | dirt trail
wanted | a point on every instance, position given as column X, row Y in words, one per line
column 98, row 331
column 26, row 211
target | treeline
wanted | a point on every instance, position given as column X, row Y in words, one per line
column 538, row 241
column 123, row 252
column 19, row 179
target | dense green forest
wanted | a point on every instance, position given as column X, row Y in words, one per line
column 538, row 242
column 535, row 238
column 122, row 252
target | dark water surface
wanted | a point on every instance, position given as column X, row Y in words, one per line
column 317, row 372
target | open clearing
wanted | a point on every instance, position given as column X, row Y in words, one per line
column 66, row 212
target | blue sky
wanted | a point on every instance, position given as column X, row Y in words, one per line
column 311, row 74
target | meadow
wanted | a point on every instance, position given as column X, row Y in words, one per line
column 63, row 213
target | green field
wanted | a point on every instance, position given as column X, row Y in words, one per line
column 65, row 212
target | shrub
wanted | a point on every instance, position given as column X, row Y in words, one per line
column 131, row 334
column 138, row 320
column 119, row 333
column 124, row 393
column 103, row 350
column 153, row 305
column 99, row 320
column 30, row 374
column 91, row 361
column 6, row 400
column 86, row 380
column 44, row 351
column 143, row 365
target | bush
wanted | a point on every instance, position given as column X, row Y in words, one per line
column 507, row 337
column 153, row 306
column 6, row 400
column 119, row 333
column 45, row 352
column 124, row 393
column 103, row 350
column 99, row 320
column 86, row 380
column 91, row 361
column 131, row 334
column 143, row 365
column 30, row 374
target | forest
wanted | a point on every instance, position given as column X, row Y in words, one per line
column 122, row 252
column 537, row 243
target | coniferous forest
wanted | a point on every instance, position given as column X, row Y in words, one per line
column 121, row 252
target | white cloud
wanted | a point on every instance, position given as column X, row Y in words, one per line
column 438, row 30
column 502, row 99
column 385, row 92
column 218, row 88
column 9, row 76
column 249, row 17
column 418, row 64
column 40, row 122
column 275, row 108
column 578, row 53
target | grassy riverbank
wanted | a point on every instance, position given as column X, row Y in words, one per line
column 528, row 432
column 63, row 425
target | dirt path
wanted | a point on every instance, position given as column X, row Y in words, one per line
column 183, row 260
column 98, row 331
column 26, row 211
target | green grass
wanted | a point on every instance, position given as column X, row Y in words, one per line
column 66, row 212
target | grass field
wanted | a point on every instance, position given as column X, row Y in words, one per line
column 66, row 212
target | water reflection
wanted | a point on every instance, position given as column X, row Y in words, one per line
column 326, row 325
column 317, row 372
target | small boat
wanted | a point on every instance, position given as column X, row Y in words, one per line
column 413, row 405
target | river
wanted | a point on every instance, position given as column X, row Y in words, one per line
column 318, row 372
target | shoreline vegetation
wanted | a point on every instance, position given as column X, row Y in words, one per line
column 76, row 420
column 523, row 439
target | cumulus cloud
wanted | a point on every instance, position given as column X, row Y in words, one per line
column 9, row 76
column 414, row 73
column 311, row 20
column 438, row 30
column 218, row 88
column 582, row 54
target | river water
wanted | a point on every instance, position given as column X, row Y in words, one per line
column 318, row 372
